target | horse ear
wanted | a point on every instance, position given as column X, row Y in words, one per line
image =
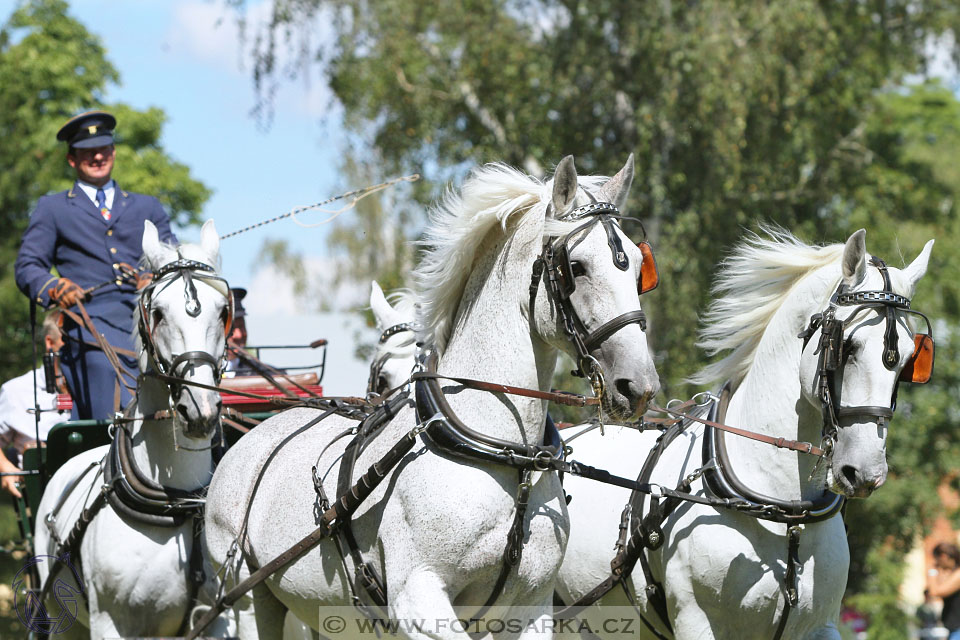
column 385, row 314
column 617, row 188
column 855, row 258
column 209, row 240
column 151, row 243
column 564, row 186
column 916, row 269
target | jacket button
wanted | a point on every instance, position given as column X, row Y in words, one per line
column 109, row 232
column 113, row 249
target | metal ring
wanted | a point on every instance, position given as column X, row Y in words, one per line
column 541, row 461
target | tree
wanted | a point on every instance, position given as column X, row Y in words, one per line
column 52, row 67
column 738, row 112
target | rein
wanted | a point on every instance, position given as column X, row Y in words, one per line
column 780, row 443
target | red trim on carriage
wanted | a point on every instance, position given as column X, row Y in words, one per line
column 240, row 403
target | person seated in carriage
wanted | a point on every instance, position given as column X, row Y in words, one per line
column 237, row 340
column 91, row 234
column 18, row 423
column 239, row 361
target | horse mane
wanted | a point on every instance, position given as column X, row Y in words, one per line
column 752, row 284
column 492, row 195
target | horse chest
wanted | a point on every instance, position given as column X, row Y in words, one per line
column 142, row 568
column 743, row 570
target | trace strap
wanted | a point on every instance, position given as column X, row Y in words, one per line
column 780, row 443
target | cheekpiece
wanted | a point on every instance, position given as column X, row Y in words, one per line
column 592, row 209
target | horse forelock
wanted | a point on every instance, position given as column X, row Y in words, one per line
column 170, row 254
column 493, row 195
column 753, row 283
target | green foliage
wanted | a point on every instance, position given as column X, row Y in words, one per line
column 52, row 67
column 739, row 113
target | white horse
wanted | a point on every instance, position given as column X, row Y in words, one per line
column 723, row 571
column 436, row 528
column 394, row 355
column 137, row 573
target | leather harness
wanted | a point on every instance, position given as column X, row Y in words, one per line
column 722, row 486
column 131, row 494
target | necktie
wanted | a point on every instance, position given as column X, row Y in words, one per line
column 102, row 203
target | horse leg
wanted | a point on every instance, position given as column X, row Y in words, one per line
column 692, row 623
column 423, row 596
column 259, row 615
column 296, row 629
column 541, row 623
column 102, row 624
column 828, row 632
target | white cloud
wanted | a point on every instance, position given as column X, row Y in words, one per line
column 271, row 289
column 208, row 34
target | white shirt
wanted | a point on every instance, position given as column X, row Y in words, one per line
column 16, row 398
column 108, row 189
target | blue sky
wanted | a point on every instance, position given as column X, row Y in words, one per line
column 171, row 54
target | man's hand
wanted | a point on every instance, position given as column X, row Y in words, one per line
column 143, row 279
column 9, row 483
column 66, row 293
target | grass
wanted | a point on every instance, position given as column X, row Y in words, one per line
column 11, row 561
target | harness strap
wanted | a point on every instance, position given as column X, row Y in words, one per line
column 341, row 509
column 560, row 397
column 607, row 329
column 780, row 443
column 195, row 574
column 71, row 545
column 513, row 552
column 790, row 590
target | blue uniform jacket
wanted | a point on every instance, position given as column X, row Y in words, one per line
column 66, row 231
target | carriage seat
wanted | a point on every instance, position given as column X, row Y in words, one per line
column 258, row 382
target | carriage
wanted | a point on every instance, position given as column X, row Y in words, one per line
column 253, row 399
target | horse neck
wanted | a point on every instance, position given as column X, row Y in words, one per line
column 492, row 341
column 770, row 401
column 157, row 445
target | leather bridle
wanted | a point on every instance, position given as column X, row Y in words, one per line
column 164, row 276
column 555, row 268
column 832, row 357
column 376, row 367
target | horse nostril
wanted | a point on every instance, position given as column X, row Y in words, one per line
column 850, row 474
column 182, row 410
column 625, row 388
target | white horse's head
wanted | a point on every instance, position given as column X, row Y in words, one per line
column 396, row 349
column 599, row 275
column 874, row 341
column 182, row 323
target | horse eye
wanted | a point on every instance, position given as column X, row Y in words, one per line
column 577, row 269
column 157, row 317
